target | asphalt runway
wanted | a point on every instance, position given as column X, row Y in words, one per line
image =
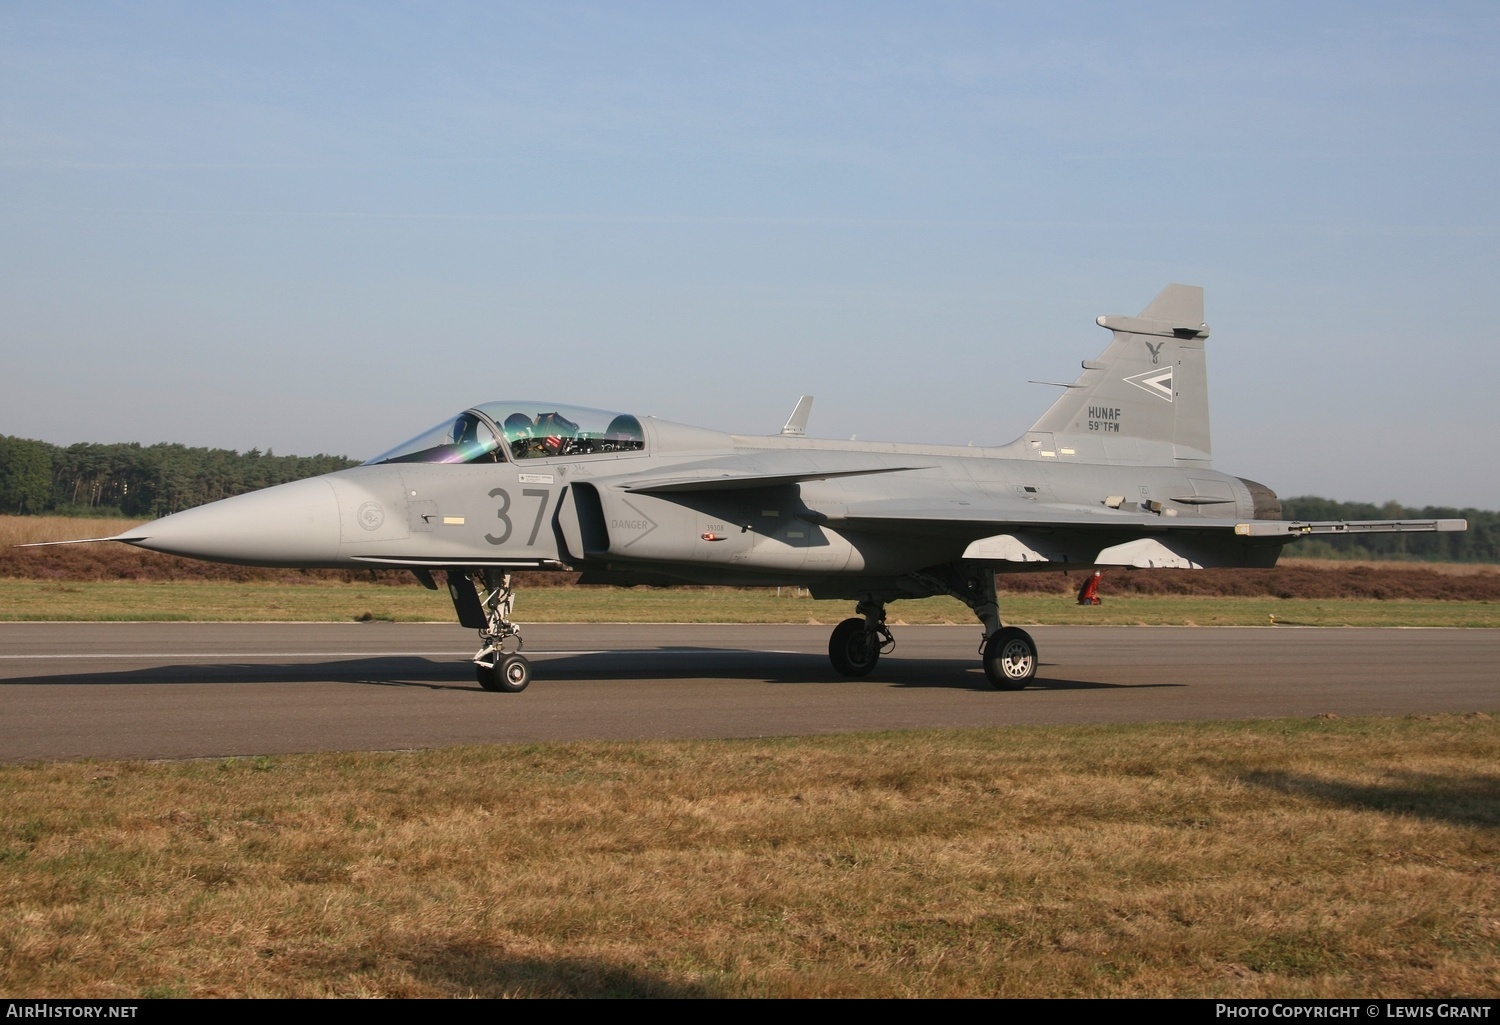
column 139, row 690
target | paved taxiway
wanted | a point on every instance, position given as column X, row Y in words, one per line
column 204, row 690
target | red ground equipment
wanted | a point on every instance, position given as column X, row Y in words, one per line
column 1088, row 594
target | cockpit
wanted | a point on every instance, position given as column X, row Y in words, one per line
column 499, row 431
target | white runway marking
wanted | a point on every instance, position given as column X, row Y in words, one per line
column 700, row 652
column 255, row 654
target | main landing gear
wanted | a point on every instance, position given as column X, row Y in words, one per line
column 485, row 602
column 1008, row 653
column 857, row 644
column 1009, row 658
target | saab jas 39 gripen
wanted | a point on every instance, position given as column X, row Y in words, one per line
column 1116, row 473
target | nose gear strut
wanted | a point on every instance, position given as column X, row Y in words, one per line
column 484, row 601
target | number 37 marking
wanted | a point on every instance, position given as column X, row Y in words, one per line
column 504, row 514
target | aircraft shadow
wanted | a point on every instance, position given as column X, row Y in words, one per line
column 473, row 970
column 1453, row 799
column 625, row 666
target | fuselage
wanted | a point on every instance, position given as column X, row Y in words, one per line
column 694, row 505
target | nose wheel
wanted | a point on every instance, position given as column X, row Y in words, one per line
column 509, row 674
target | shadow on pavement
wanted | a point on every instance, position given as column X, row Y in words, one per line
column 629, row 665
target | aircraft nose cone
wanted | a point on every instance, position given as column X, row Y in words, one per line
column 288, row 525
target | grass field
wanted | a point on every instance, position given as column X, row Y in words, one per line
column 209, row 601
column 1272, row 858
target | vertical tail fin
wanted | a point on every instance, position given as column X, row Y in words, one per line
column 1144, row 401
column 796, row 424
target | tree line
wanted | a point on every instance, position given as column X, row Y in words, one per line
column 148, row 481
column 138, row 481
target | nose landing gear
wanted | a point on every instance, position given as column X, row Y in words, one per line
column 485, row 603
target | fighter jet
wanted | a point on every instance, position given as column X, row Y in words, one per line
column 1115, row 474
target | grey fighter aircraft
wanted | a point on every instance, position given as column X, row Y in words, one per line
column 1116, row 473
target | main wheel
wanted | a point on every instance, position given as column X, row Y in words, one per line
column 510, row 674
column 853, row 650
column 1010, row 659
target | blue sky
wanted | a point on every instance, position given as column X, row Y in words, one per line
column 323, row 227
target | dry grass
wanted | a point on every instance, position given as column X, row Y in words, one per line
column 1272, row 858
column 22, row 530
column 76, row 563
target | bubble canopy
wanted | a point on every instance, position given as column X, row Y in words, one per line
column 499, row 431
